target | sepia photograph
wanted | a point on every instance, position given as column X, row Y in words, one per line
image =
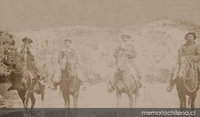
column 99, row 54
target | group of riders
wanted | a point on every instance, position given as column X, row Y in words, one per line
column 127, row 46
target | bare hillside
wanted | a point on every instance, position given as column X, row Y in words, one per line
column 156, row 44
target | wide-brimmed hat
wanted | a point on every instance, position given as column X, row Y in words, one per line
column 7, row 51
column 27, row 40
column 191, row 33
column 125, row 36
column 68, row 40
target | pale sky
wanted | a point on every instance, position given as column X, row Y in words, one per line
column 36, row 14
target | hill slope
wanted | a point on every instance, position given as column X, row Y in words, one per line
column 156, row 44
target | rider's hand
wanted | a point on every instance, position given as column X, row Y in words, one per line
column 195, row 58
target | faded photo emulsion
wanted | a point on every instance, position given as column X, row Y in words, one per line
column 99, row 58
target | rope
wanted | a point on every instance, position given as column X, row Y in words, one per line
column 192, row 75
column 191, row 91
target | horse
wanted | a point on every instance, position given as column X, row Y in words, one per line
column 26, row 86
column 69, row 83
column 187, row 81
column 124, row 81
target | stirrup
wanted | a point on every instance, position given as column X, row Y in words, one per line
column 139, row 83
column 169, row 88
column 111, row 89
column 11, row 88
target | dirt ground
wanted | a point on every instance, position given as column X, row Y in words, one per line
column 96, row 96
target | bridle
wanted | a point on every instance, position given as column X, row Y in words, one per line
column 25, row 63
column 123, row 63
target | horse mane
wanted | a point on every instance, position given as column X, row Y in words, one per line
column 70, row 65
column 16, row 56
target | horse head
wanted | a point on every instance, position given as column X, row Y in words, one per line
column 7, row 60
column 121, row 61
column 12, row 59
column 185, row 66
column 71, row 65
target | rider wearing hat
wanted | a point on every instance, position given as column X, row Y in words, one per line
column 189, row 48
column 67, row 52
column 128, row 47
column 28, row 55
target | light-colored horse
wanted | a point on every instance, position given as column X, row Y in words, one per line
column 124, row 81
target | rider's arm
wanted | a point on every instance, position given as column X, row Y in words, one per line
column 131, row 52
column 76, row 58
column 115, row 54
column 197, row 56
column 178, row 56
column 19, row 49
column 32, row 51
column 60, row 56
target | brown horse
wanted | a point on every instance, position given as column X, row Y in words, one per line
column 26, row 86
column 124, row 82
column 187, row 81
column 70, row 84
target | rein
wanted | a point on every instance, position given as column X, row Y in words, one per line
column 25, row 66
column 193, row 70
column 193, row 74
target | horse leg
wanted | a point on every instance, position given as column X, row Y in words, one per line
column 184, row 102
column 42, row 98
column 42, row 90
column 182, row 99
column 118, row 99
column 67, row 103
column 66, row 100
column 27, row 95
column 189, row 102
column 32, row 102
column 193, row 97
column 130, row 96
column 136, row 97
column 75, row 98
column 22, row 96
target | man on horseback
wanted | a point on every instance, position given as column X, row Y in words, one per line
column 190, row 48
column 131, row 53
column 66, row 53
column 28, row 56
